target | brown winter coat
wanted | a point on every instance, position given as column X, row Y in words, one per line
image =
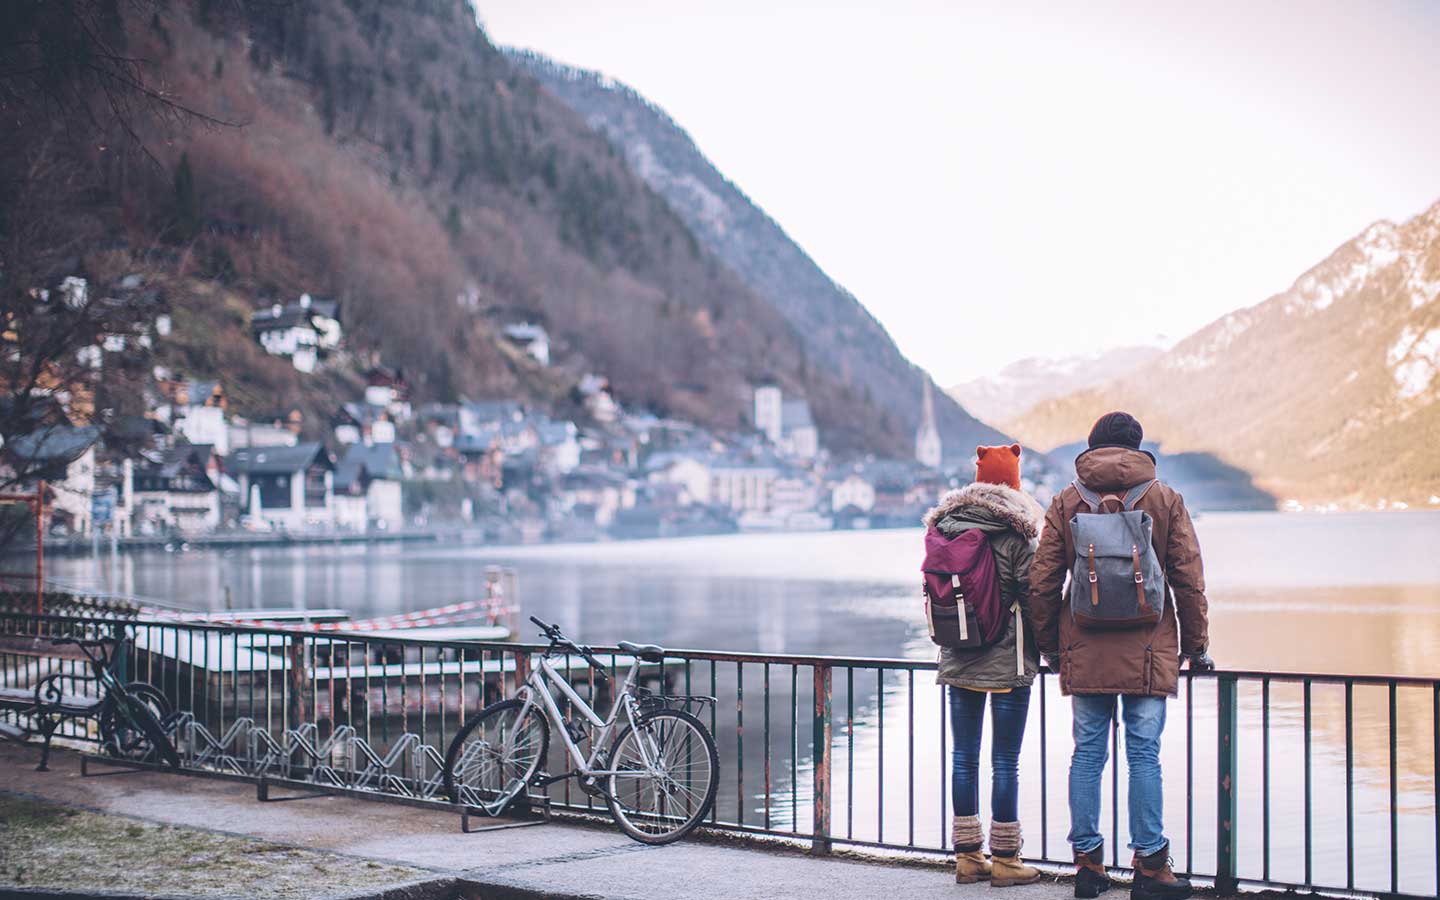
column 1135, row 660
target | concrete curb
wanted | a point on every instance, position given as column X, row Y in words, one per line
column 447, row 888
column 423, row 889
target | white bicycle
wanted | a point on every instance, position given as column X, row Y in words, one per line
column 658, row 776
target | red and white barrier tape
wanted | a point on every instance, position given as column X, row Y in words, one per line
column 439, row 615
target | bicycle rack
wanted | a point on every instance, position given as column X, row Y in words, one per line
column 467, row 811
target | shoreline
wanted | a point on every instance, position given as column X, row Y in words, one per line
column 474, row 537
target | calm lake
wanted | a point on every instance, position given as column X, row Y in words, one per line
column 1349, row 593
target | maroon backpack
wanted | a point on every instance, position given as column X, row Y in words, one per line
column 962, row 590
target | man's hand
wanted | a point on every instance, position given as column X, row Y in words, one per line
column 1200, row 662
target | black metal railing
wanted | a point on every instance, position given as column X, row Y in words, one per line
column 1291, row 780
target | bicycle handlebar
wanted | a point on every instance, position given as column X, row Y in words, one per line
column 558, row 639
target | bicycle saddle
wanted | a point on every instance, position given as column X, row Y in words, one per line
column 647, row 652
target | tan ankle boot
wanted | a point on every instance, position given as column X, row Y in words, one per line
column 970, row 864
column 1007, row 869
column 971, row 867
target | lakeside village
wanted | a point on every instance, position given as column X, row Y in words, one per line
column 493, row 469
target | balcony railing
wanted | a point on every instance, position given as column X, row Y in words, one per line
column 1286, row 780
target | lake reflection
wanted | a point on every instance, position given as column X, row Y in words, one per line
column 1352, row 594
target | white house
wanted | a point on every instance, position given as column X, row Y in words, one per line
column 689, row 473
column 595, row 495
column 306, row 331
column 285, row 487
column 742, row 485
column 204, row 425
column 532, row 339
column 793, row 493
column 595, row 393
column 173, row 490
column 559, row 446
column 387, row 389
column 368, row 491
column 853, row 491
column 64, row 456
column 243, row 433
column 798, row 437
column 769, row 412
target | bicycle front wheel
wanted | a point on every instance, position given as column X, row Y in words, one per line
column 665, row 772
column 493, row 758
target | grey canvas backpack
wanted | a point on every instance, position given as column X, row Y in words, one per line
column 1117, row 581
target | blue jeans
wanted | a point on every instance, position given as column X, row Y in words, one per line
column 1144, row 721
column 967, row 722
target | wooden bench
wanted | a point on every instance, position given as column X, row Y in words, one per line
column 51, row 699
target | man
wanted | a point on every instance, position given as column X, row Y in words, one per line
column 1138, row 666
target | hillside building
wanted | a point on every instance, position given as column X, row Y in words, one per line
column 769, row 412
column 285, row 487
column 367, row 489
column 64, row 457
column 176, row 490
column 742, row 486
column 531, row 338
column 798, row 435
column 928, row 451
column 305, row 332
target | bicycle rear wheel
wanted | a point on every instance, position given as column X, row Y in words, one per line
column 666, row 771
column 131, row 725
column 491, row 761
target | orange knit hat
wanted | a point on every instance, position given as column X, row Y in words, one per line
column 998, row 465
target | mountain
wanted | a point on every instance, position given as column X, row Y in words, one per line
column 1015, row 389
column 1208, row 483
column 838, row 334
column 1326, row 393
column 388, row 156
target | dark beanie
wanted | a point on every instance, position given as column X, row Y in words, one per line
column 1116, row 429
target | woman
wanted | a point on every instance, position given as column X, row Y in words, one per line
column 1002, row 671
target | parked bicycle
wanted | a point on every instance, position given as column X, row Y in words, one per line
column 658, row 775
column 133, row 716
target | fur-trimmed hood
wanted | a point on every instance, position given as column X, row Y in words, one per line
column 1010, row 507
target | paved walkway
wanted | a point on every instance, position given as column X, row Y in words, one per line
column 553, row 860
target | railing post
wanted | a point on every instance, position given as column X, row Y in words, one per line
column 522, row 669
column 1226, row 769
column 295, row 702
column 820, row 842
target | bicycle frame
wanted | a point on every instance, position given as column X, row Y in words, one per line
column 538, row 686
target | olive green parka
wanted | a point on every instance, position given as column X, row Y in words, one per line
column 1010, row 520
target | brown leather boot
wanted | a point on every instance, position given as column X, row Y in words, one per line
column 1006, row 868
column 971, row 867
column 970, row 863
column 1091, row 879
column 1155, row 880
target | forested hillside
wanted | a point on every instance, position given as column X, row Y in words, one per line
column 837, row 332
column 385, row 154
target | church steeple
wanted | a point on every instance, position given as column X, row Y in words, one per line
column 927, row 436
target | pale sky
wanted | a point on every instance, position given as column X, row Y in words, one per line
column 995, row 181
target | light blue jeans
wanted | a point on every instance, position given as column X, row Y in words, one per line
column 1144, row 721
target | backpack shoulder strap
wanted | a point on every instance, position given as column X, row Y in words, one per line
column 1090, row 498
column 1137, row 493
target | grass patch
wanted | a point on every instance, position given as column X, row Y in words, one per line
column 45, row 845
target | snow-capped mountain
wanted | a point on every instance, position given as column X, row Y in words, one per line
column 1328, row 392
column 1015, row 389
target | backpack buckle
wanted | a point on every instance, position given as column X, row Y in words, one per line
column 1093, row 577
column 1139, row 579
